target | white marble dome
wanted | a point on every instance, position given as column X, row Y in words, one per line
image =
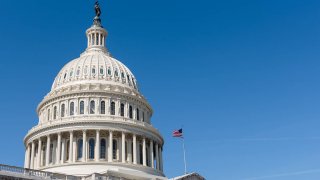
column 95, row 67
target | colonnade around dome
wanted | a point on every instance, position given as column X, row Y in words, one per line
column 93, row 146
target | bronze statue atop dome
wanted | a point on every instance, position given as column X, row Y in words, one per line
column 97, row 9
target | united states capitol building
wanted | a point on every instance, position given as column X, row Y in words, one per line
column 93, row 124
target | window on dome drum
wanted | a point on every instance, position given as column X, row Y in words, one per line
column 138, row 115
column 122, row 110
column 93, row 71
column 67, row 150
column 78, row 72
column 129, row 80
column 97, row 39
column 71, row 73
column 109, row 71
column 115, row 149
column 55, row 112
column 103, row 107
column 147, row 157
column 142, row 116
column 113, row 108
column 134, row 84
column 122, row 75
column 79, row 149
column 91, row 148
column 92, row 107
column 116, row 73
column 130, row 112
column 71, row 108
column 140, row 153
column 63, row 107
column 126, row 150
column 101, row 71
column 103, row 149
column 49, row 115
column 65, row 76
column 81, row 107
column 51, row 152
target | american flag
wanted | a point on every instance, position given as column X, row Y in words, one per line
column 177, row 133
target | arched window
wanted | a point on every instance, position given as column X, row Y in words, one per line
column 103, row 107
column 51, row 152
column 71, row 108
column 49, row 115
column 63, row 108
column 109, row 71
column 129, row 80
column 79, row 150
column 114, row 149
column 122, row 109
column 91, row 149
column 103, row 148
column 130, row 112
column 147, row 157
column 140, row 153
column 113, row 108
column 92, row 107
column 138, row 115
column 143, row 116
column 67, row 150
column 55, row 112
column 126, row 150
column 81, row 107
column 101, row 71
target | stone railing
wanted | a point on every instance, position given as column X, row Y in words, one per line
column 29, row 173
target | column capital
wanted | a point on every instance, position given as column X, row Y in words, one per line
column 71, row 132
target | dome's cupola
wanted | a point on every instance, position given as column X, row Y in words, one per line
column 96, row 34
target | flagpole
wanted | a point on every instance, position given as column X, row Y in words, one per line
column 184, row 156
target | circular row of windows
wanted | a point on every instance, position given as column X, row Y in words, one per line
column 130, row 80
column 132, row 113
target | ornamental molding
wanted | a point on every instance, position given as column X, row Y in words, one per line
column 121, row 126
column 138, row 167
column 93, row 92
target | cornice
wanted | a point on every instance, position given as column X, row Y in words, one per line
column 129, row 126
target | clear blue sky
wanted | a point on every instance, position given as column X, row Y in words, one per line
column 242, row 77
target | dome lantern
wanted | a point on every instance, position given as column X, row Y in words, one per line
column 96, row 34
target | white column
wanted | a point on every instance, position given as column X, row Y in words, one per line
column 110, row 153
column 32, row 155
column 48, row 151
column 161, row 159
column 130, row 150
column 84, row 146
column 134, row 149
column 144, row 152
column 74, row 150
column 27, row 157
column 39, row 152
column 58, row 149
column 97, row 146
column 71, row 147
column 157, row 156
column 151, row 154
column 123, row 151
column 63, row 153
